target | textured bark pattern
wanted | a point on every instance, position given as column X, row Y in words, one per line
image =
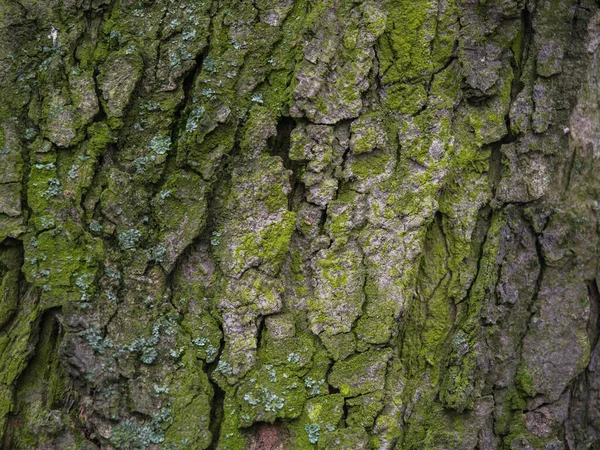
column 277, row 224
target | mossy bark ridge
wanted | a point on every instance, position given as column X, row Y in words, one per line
column 329, row 224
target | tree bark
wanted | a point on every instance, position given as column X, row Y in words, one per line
column 332, row 224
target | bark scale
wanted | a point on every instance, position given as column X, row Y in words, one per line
column 299, row 224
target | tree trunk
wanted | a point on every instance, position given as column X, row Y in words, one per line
column 332, row 224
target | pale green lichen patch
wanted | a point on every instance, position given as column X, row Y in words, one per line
column 321, row 416
column 269, row 393
column 64, row 271
column 205, row 336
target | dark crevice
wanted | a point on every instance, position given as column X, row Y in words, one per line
column 569, row 171
column 217, row 403
column 439, row 221
column 216, row 415
column 375, row 86
column 260, row 333
column 429, row 82
column 480, row 236
column 345, row 411
column 527, row 38
column 179, row 116
column 26, row 210
column 179, row 123
column 517, row 62
column 495, row 162
column 187, row 86
column 160, row 38
column 36, row 383
column 279, row 145
column 593, row 327
column 322, row 221
column 538, row 283
column 101, row 114
column 495, row 168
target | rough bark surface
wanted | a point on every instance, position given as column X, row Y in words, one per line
column 277, row 224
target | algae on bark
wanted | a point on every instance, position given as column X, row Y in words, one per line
column 332, row 224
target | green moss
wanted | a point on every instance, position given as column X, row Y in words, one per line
column 321, row 416
column 519, row 436
column 296, row 267
column 43, row 184
column 488, row 128
column 9, row 294
column 489, row 122
column 365, row 167
column 314, row 380
column 203, row 153
column 524, row 380
column 406, row 99
column 430, row 320
column 360, row 374
column 190, row 396
column 345, row 439
column 205, row 336
column 375, row 329
column 294, row 354
column 276, row 198
column 182, row 206
column 462, row 381
column 100, row 135
column 339, row 296
column 270, row 245
column 363, row 410
column 458, row 385
column 340, row 214
column 250, row 67
column 488, row 274
column 510, row 404
column 231, row 434
column 404, row 50
column 338, row 268
column 41, row 395
column 467, row 183
column 63, row 263
column 281, row 326
column 339, row 346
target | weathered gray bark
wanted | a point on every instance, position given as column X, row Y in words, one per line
column 299, row 224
